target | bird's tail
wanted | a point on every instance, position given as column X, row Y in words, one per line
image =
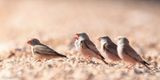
column 105, row 62
column 102, row 58
column 145, row 64
column 61, row 55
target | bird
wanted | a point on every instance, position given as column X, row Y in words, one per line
column 128, row 54
column 86, row 47
column 41, row 51
column 109, row 49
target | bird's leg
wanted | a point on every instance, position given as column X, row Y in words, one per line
column 88, row 59
column 129, row 67
column 126, row 66
column 111, row 64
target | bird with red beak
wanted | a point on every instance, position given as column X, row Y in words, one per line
column 87, row 48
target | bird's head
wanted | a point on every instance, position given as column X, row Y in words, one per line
column 81, row 36
column 33, row 42
column 105, row 40
column 123, row 40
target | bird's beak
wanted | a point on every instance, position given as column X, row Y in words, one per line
column 28, row 42
column 99, row 39
column 76, row 36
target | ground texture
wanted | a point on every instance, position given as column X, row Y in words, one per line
column 55, row 23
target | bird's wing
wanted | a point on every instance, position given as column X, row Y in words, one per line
column 131, row 52
column 90, row 45
column 112, row 48
column 43, row 49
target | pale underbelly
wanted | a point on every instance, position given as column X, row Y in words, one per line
column 128, row 59
column 88, row 53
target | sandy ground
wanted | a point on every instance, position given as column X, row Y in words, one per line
column 55, row 23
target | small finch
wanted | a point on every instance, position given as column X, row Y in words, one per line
column 42, row 51
column 128, row 54
column 109, row 49
column 87, row 48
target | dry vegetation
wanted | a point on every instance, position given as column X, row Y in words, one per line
column 55, row 22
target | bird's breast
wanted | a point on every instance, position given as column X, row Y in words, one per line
column 120, row 50
column 32, row 50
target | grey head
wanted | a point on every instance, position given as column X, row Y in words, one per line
column 123, row 40
column 82, row 36
column 34, row 41
column 105, row 40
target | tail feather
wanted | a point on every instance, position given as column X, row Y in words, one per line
column 61, row 55
column 105, row 62
column 145, row 64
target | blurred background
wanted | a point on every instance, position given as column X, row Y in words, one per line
column 54, row 23
column 21, row 20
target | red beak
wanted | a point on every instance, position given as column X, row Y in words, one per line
column 99, row 38
column 76, row 36
column 28, row 42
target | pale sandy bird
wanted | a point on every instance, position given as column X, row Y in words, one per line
column 41, row 51
column 87, row 48
column 109, row 49
column 128, row 54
